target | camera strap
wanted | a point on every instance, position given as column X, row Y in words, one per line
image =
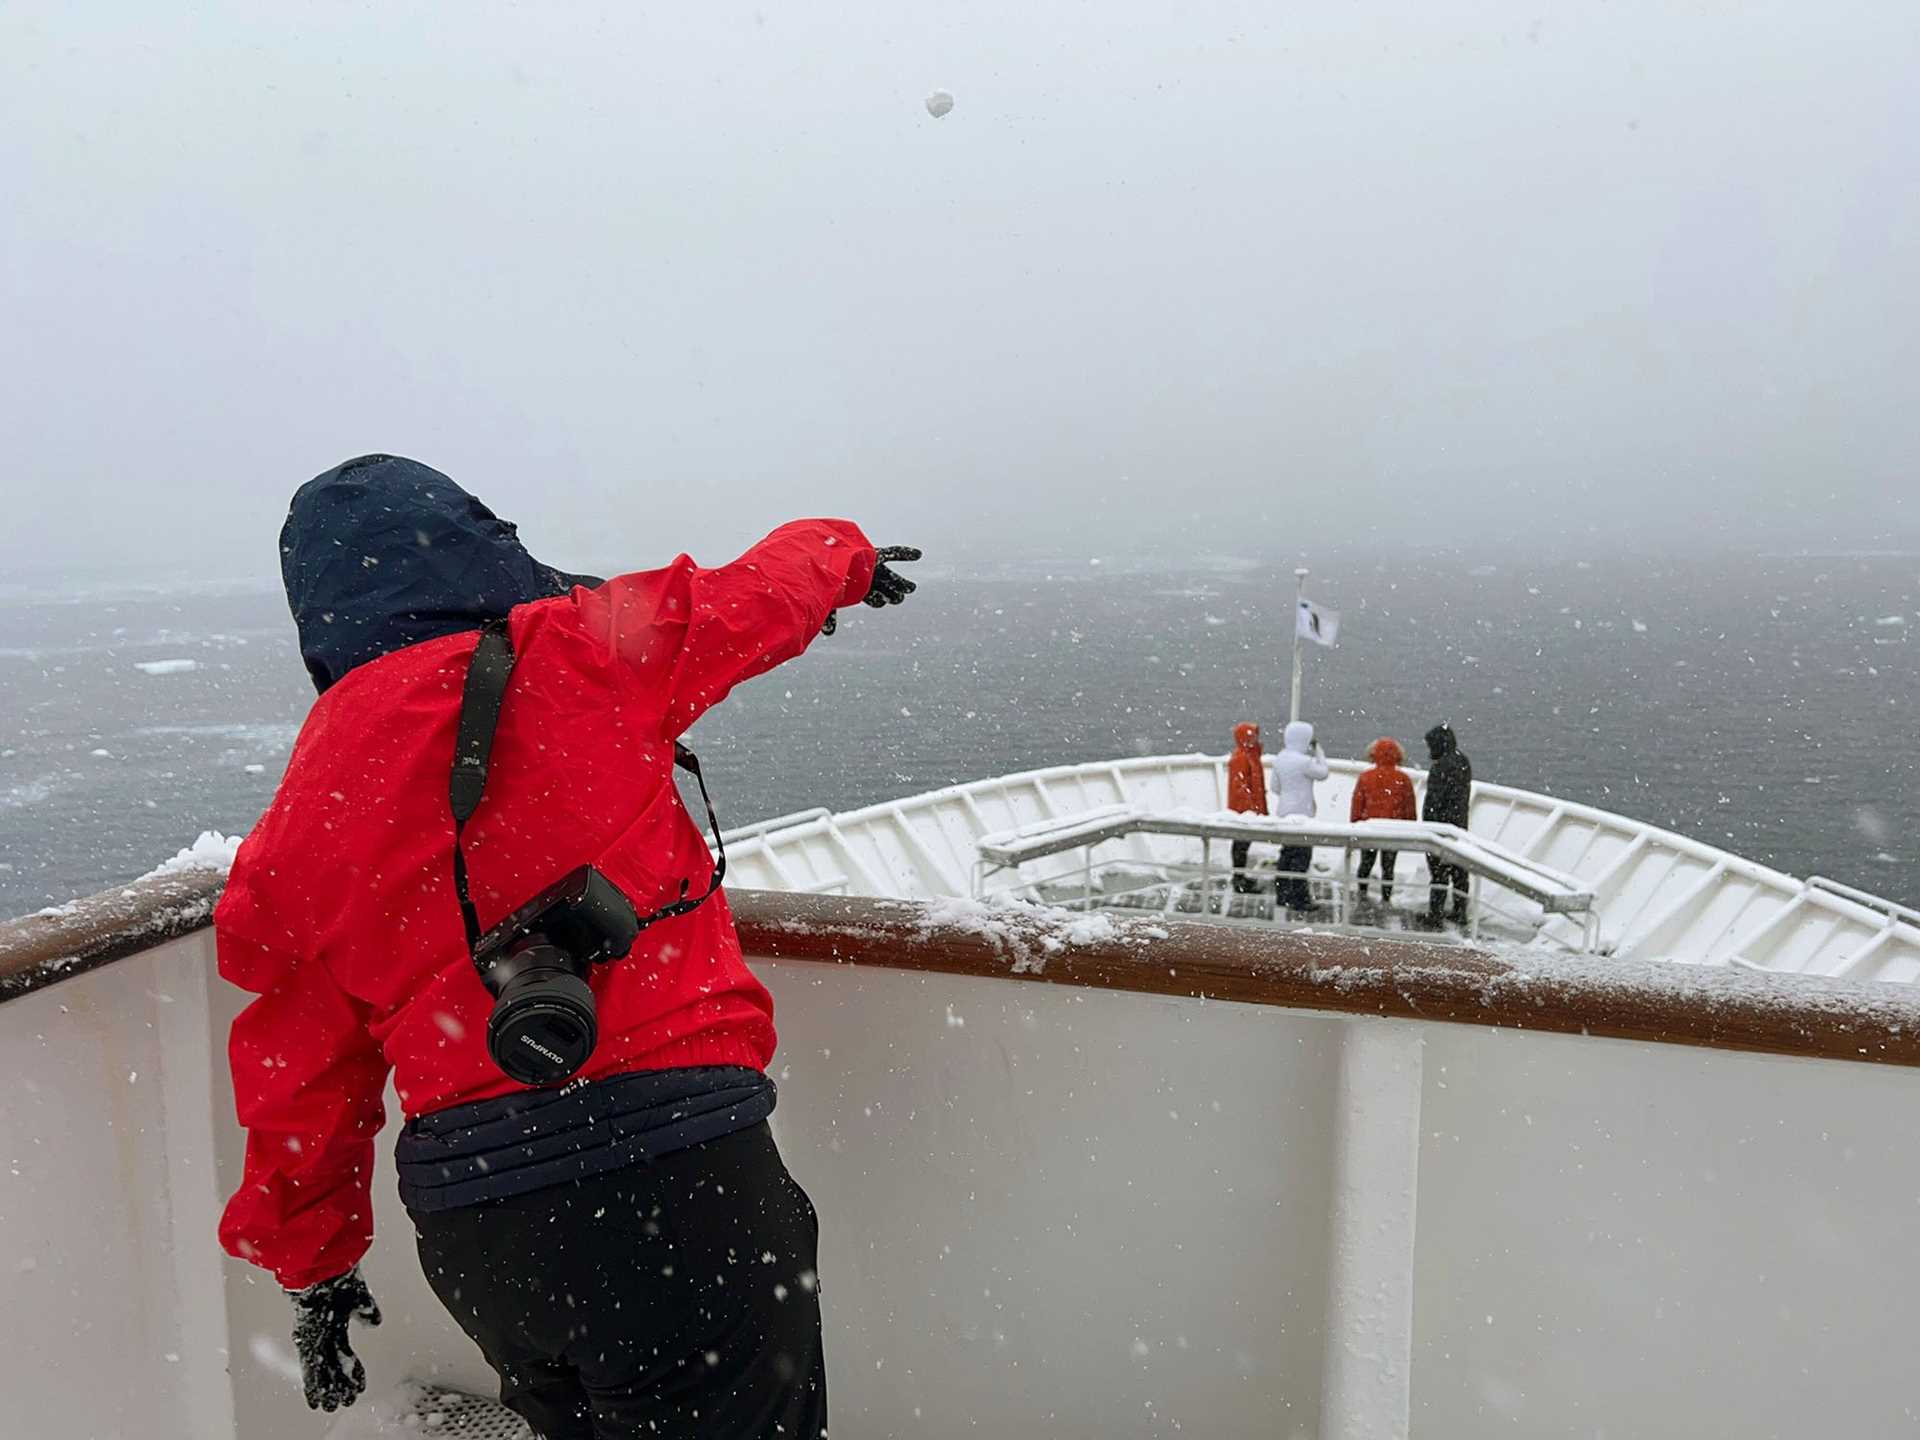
column 690, row 762
column 480, row 700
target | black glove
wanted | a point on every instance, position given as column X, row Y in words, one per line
column 333, row 1374
column 888, row 588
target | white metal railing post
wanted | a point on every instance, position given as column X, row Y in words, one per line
column 1299, row 599
column 1206, row 874
column 1367, row 1371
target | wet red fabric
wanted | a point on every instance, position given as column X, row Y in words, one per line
column 1246, row 771
column 1383, row 792
column 340, row 913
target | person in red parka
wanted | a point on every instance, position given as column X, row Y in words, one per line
column 542, row 1217
column 1383, row 792
column 1246, row 794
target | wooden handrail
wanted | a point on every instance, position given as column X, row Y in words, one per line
column 1719, row 1007
column 52, row 945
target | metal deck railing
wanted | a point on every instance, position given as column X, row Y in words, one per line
column 1491, row 867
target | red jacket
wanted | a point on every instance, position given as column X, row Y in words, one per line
column 340, row 913
column 1384, row 792
column 1246, row 771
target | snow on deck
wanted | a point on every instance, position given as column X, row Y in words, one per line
column 417, row 1411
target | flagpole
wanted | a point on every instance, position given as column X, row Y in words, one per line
column 1299, row 595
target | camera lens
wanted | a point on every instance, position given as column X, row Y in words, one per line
column 543, row 1029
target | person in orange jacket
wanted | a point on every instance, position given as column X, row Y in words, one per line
column 1246, row 794
column 1382, row 793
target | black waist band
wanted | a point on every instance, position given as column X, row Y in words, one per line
column 492, row 1149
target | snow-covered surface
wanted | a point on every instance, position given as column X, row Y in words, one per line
column 175, row 896
column 1028, row 934
column 416, row 1411
column 166, row 667
column 211, row 850
column 1529, row 977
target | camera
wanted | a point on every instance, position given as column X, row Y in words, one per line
column 535, row 962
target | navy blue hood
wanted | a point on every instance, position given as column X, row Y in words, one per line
column 384, row 552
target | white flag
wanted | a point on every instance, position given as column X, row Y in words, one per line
column 1317, row 623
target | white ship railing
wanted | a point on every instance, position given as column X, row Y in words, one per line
column 1487, row 864
column 1657, row 894
column 1895, row 914
column 779, row 822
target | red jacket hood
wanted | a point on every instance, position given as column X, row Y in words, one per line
column 1247, row 771
column 1386, row 752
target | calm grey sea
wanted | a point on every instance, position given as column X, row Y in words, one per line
column 1762, row 703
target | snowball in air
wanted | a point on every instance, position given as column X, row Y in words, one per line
column 939, row 103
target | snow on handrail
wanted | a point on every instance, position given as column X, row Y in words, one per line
column 1720, row 1007
column 37, row 950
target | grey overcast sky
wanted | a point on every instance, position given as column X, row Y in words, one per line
column 652, row 277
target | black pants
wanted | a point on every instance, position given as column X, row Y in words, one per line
column 1294, row 860
column 1387, row 860
column 672, row 1299
column 1447, row 877
column 1241, row 880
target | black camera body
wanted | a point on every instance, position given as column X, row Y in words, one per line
column 535, row 962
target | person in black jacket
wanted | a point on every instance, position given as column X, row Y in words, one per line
column 1449, row 798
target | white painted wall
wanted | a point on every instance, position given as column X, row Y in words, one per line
column 1630, row 1240
column 415, row 1338
column 1078, row 1214
column 109, row 1327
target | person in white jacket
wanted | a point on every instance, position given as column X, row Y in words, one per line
column 1295, row 769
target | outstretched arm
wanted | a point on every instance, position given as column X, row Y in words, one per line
column 700, row 632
